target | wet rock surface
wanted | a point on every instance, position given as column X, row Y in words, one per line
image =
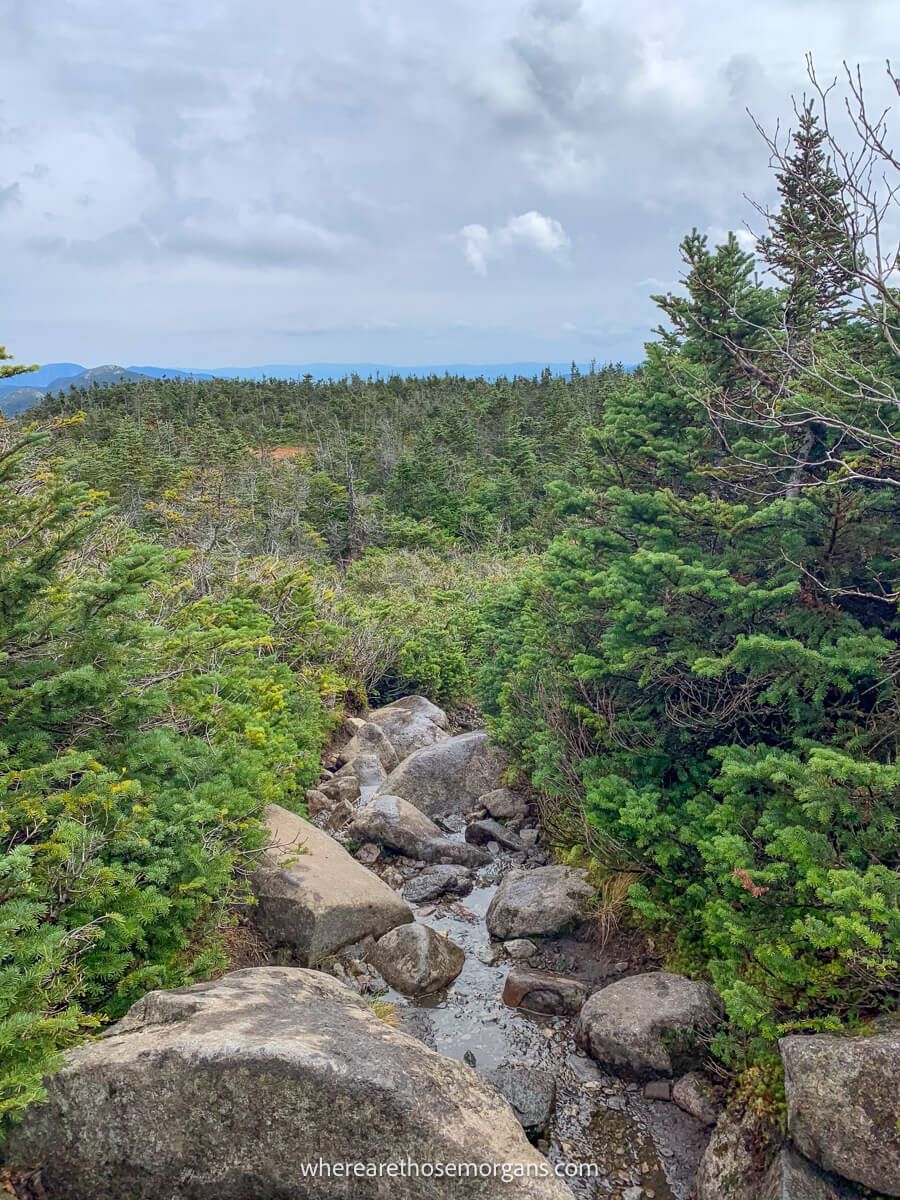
column 598, row 1120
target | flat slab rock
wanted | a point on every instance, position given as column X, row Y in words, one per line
column 227, row 1090
column 482, row 833
column 843, row 1102
column 314, row 897
column 651, row 1024
column 537, row 902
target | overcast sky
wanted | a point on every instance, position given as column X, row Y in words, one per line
column 226, row 182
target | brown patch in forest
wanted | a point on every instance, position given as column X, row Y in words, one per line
column 279, row 453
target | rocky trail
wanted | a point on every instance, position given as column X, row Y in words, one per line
column 434, row 991
column 573, row 1110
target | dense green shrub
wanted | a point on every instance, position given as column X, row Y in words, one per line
column 704, row 667
column 142, row 732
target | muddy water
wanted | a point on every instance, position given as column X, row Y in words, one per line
column 640, row 1148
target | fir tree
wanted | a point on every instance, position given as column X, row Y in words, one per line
column 806, row 245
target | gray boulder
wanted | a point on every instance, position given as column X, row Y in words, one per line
column 313, row 897
column 370, row 738
column 843, row 1104
column 538, row 902
column 317, row 802
column 504, row 804
column 743, row 1161
column 411, row 724
column 531, row 1091
column 417, row 961
column 449, row 776
column 439, row 880
column 229, row 1090
column 482, row 833
column 393, row 822
column 793, row 1177
column 653, row 1024
column 543, row 991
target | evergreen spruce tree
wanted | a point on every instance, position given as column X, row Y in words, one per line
column 806, row 245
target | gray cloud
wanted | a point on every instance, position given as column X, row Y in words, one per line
column 379, row 178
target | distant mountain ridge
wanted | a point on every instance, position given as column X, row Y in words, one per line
column 20, row 392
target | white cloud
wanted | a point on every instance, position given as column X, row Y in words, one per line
column 529, row 230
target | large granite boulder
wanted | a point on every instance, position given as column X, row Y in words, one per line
column 843, row 1104
column 313, row 897
column 539, row 902
column 449, row 776
column 393, row 822
column 744, row 1160
column 239, row 1088
column 411, row 724
column 653, row 1024
column 417, row 961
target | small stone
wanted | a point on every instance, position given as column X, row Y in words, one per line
column 368, row 854
column 469, row 1058
column 658, row 1089
column 697, row 1095
column 487, row 955
column 520, row 948
column 529, row 836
